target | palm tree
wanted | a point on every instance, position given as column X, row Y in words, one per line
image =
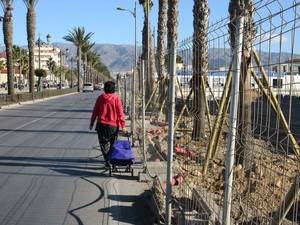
column 93, row 58
column 31, row 27
column 161, row 43
column 145, row 40
column 8, row 41
column 51, row 64
column 2, row 64
column 86, row 48
column 200, row 65
column 236, row 8
column 20, row 60
column 78, row 37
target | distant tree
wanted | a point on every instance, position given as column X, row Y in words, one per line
column 2, row 65
column 51, row 65
column 7, row 6
column 20, row 59
column 78, row 37
column 93, row 58
column 86, row 48
column 31, row 27
column 40, row 73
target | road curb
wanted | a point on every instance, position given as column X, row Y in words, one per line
column 14, row 105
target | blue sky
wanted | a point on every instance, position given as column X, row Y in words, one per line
column 56, row 17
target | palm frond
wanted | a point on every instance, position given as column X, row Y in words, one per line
column 5, row 3
column 30, row 3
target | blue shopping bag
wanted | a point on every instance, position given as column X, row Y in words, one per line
column 121, row 153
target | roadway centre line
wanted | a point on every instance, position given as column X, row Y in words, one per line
column 26, row 124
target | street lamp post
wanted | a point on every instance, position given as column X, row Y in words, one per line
column 60, row 68
column 48, row 38
column 72, row 59
column 39, row 45
column 133, row 13
column 67, row 54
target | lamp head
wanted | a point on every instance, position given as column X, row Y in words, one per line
column 121, row 9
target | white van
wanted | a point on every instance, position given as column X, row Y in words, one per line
column 88, row 87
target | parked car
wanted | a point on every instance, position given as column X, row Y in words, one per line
column 63, row 86
column 88, row 87
column 98, row 87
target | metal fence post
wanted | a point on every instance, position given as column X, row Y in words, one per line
column 125, row 92
column 143, row 114
column 237, row 54
column 171, row 119
column 133, row 106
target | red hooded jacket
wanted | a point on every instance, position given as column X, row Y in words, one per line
column 109, row 110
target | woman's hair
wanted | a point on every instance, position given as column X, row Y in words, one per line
column 109, row 87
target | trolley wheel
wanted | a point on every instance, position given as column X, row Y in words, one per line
column 132, row 172
column 110, row 171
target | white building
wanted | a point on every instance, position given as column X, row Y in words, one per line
column 286, row 67
column 43, row 53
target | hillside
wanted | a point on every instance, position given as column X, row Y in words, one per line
column 120, row 58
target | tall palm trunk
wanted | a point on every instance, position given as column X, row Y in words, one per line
column 236, row 7
column 161, row 44
column 147, row 48
column 31, row 21
column 8, row 41
column 200, row 65
column 78, row 66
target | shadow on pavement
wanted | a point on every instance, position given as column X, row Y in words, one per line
column 139, row 213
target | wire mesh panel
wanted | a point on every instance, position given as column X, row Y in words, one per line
column 265, row 188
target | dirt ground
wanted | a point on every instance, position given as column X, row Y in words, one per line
column 257, row 191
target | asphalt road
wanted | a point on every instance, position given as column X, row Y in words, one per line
column 51, row 175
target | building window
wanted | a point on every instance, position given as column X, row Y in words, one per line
column 298, row 69
column 277, row 83
column 218, row 82
column 275, row 69
column 284, row 69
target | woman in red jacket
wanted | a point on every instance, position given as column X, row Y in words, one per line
column 108, row 111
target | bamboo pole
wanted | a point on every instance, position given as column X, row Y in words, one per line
column 153, row 93
column 223, row 121
column 287, row 203
column 219, row 121
column 206, row 105
column 179, row 117
column 277, row 107
column 211, row 92
column 184, row 108
column 161, row 108
column 180, row 89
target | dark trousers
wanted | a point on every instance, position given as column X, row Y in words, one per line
column 107, row 135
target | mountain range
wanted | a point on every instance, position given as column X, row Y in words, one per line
column 120, row 58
